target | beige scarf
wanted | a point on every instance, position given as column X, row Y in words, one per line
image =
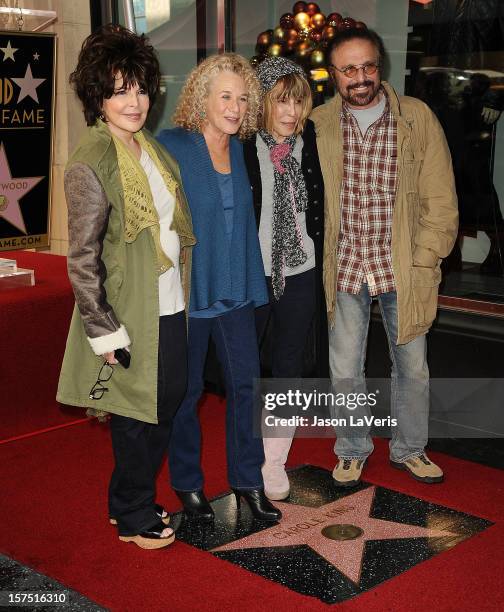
column 139, row 208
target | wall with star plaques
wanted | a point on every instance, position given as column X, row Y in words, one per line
column 72, row 26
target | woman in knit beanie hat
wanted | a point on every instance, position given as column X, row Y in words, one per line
column 286, row 180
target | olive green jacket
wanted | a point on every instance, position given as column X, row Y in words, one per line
column 115, row 283
column 425, row 218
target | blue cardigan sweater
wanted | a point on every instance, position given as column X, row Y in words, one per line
column 219, row 271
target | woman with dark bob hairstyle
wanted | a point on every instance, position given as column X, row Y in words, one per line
column 218, row 104
column 129, row 232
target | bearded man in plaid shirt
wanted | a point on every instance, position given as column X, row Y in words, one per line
column 390, row 217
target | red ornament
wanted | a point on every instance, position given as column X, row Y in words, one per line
column 312, row 8
column 299, row 7
column 264, row 40
column 334, row 20
column 292, row 35
column 329, row 32
column 360, row 25
column 318, row 21
column 290, row 45
column 303, row 50
column 348, row 23
column 316, row 36
column 287, row 21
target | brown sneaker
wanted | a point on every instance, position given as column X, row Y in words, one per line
column 347, row 472
column 421, row 468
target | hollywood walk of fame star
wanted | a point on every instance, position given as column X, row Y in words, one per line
column 303, row 525
column 12, row 190
column 8, row 52
column 28, row 85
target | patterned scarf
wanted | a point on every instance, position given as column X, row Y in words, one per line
column 139, row 209
column 289, row 197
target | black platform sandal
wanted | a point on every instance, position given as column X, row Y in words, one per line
column 160, row 511
column 151, row 538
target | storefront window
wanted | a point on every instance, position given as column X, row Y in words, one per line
column 456, row 65
column 171, row 26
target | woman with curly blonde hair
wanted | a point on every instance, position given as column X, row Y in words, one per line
column 191, row 107
column 218, row 104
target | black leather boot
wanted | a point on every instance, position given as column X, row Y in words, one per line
column 259, row 504
column 195, row 504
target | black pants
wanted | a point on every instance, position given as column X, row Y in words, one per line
column 139, row 447
column 292, row 317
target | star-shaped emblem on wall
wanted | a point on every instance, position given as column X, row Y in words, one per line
column 8, row 52
column 11, row 191
column 302, row 525
column 28, row 85
column 36, row 56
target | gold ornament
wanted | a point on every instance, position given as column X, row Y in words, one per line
column 317, row 58
column 302, row 21
column 318, row 21
column 275, row 50
column 279, row 35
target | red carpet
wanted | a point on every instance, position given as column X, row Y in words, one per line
column 33, row 329
column 54, row 519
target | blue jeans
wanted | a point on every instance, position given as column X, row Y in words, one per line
column 234, row 335
column 409, row 377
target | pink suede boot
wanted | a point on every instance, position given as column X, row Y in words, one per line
column 276, row 483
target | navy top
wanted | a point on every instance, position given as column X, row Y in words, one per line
column 226, row 189
column 224, row 269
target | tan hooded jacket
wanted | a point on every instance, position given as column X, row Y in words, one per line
column 425, row 218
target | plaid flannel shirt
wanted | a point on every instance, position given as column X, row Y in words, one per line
column 367, row 204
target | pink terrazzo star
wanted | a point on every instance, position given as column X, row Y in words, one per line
column 303, row 525
column 12, row 190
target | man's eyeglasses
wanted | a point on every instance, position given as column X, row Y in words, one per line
column 104, row 375
column 350, row 71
